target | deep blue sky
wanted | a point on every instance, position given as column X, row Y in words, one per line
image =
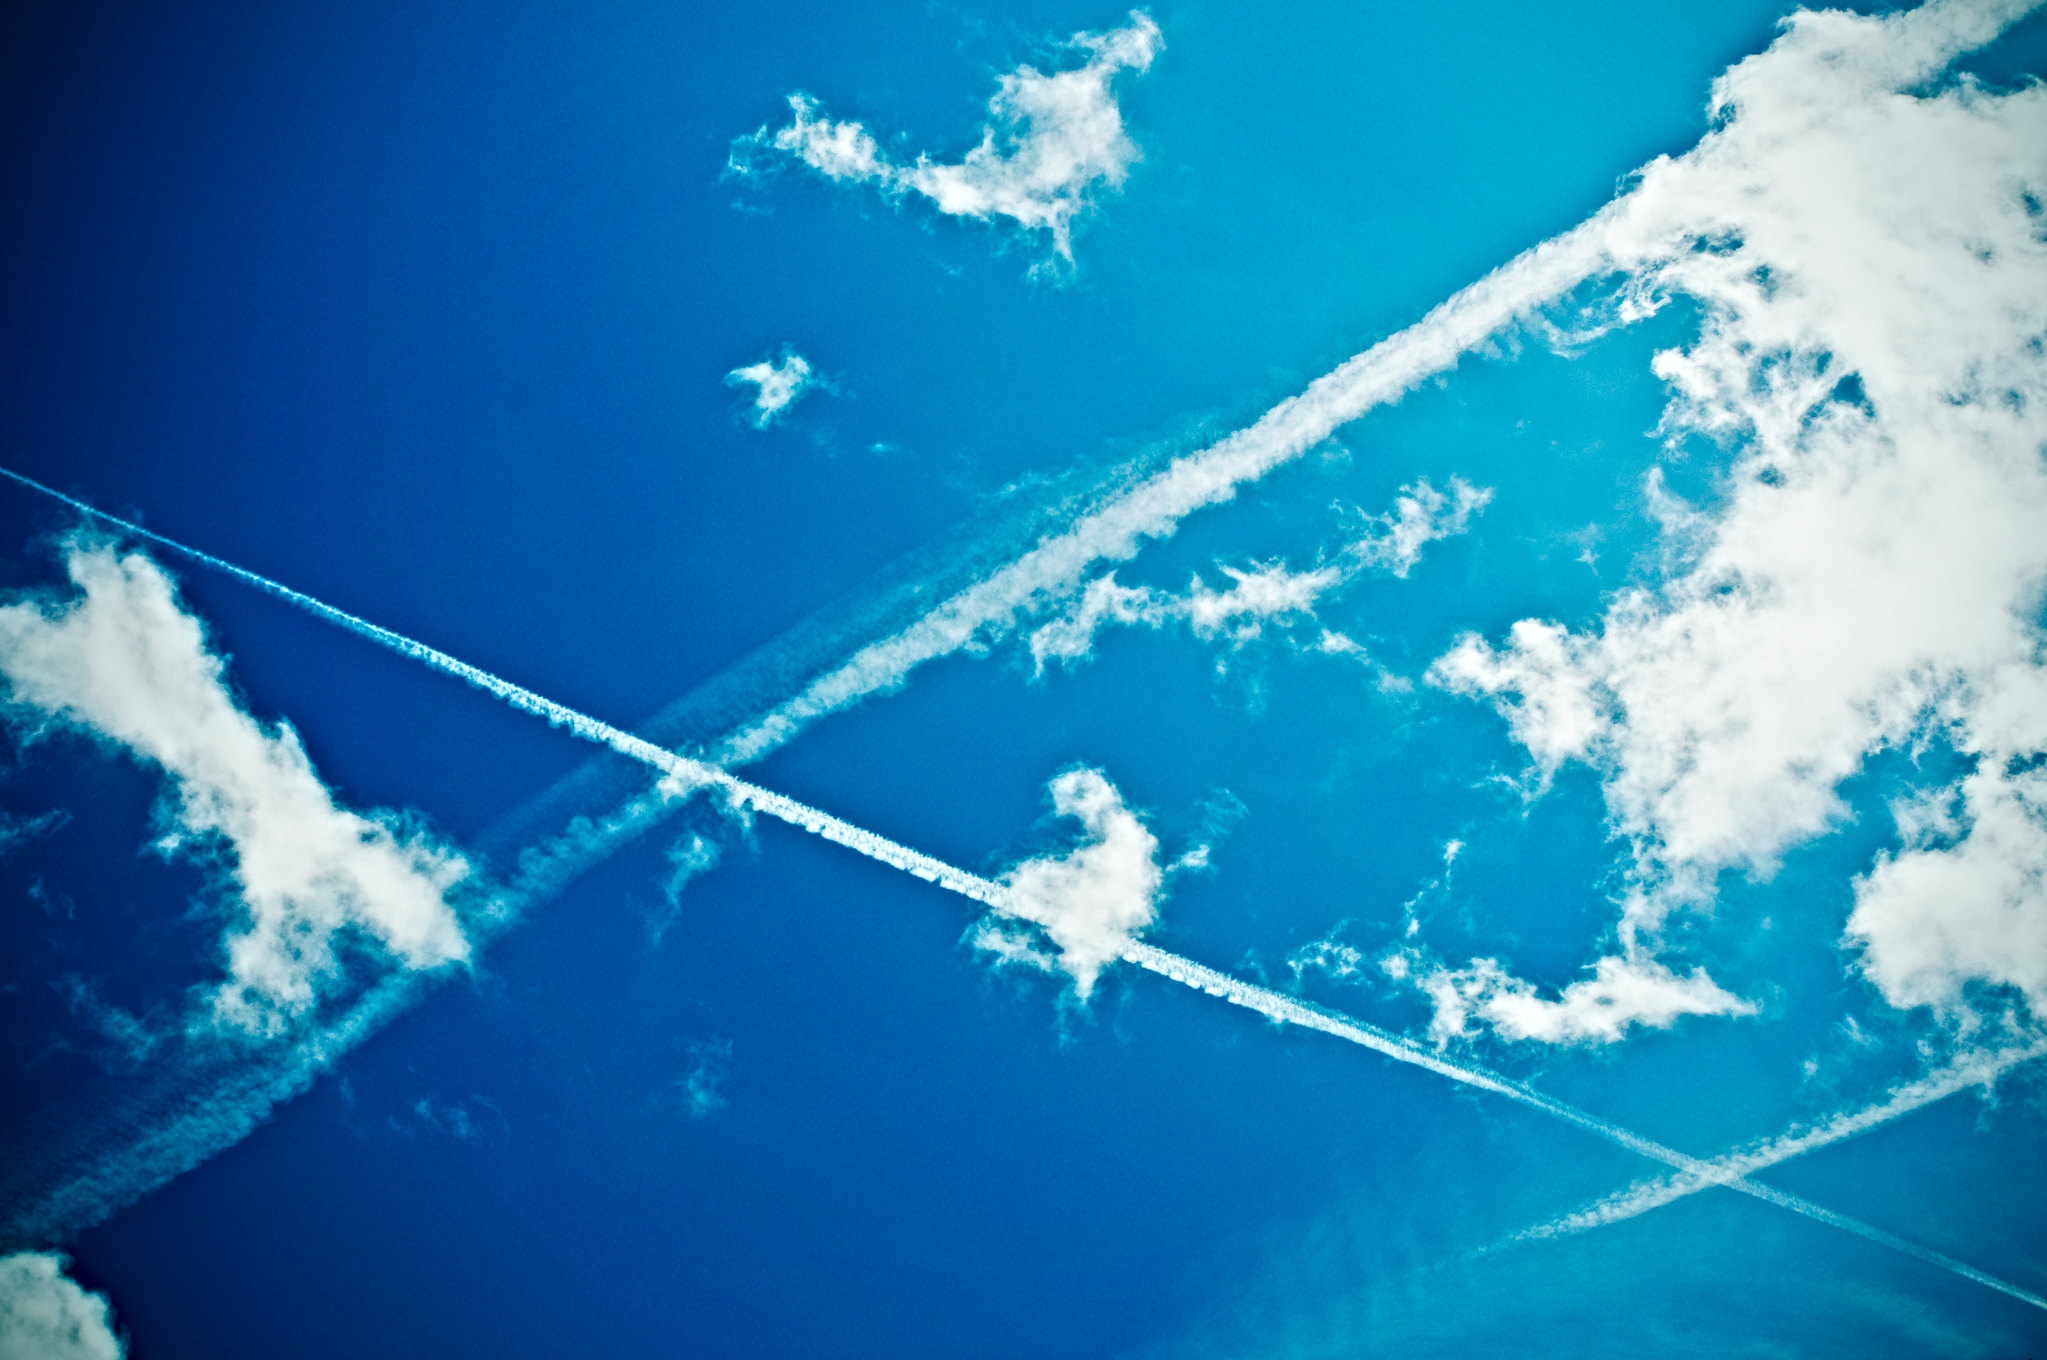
column 428, row 314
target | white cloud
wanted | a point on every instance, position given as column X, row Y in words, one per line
column 1933, row 919
column 120, row 660
column 45, row 1316
column 1421, row 515
column 1867, row 249
column 1598, row 1009
column 778, row 383
column 1090, row 902
column 1264, row 593
column 1052, row 141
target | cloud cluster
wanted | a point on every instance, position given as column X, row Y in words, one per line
column 120, row 660
column 1867, row 244
column 778, row 384
column 1051, row 142
column 1265, row 593
column 46, row 1316
column 1091, row 902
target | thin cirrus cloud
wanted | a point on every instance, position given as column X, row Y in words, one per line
column 1868, row 262
column 119, row 660
column 45, row 1315
column 1051, row 145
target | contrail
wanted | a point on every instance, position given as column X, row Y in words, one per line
column 690, row 774
column 1982, row 1068
column 1153, row 507
column 1293, row 1011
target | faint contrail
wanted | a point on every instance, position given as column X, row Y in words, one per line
column 1273, row 1005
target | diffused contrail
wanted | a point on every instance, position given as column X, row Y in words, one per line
column 1274, row 1005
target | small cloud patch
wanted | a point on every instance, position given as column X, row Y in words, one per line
column 778, row 383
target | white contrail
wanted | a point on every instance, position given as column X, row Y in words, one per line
column 1293, row 1011
column 1978, row 1068
column 1274, row 1005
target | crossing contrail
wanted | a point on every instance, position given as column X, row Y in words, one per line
column 1981, row 1067
column 691, row 774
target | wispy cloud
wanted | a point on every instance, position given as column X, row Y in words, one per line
column 710, row 1063
column 1051, row 144
column 44, row 1315
column 1263, row 594
column 778, row 384
column 120, row 660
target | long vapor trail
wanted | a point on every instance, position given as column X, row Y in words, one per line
column 689, row 774
column 1153, row 507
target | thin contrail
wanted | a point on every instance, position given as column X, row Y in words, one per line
column 1292, row 1010
column 1981, row 1068
column 1274, row 1005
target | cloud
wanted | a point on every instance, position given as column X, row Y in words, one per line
column 119, row 659
column 1263, row 593
column 710, row 1062
column 1090, row 902
column 45, row 1316
column 1932, row 919
column 19, row 831
column 1867, row 247
column 1114, row 528
column 779, row 383
column 1051, row 143
column 1599, row 1009
column 691, row 855
column 1421, row 515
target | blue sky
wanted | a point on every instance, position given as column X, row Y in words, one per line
column 1517, row 526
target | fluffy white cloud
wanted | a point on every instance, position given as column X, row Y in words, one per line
column 1050, row 143
column 46, row 1316
column 778, row 383
column 1090, row 902
column 1264, row 593
column 120, row 660
column 1598, row 1009
column 1934, row 918
column 1868, row 247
